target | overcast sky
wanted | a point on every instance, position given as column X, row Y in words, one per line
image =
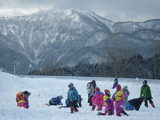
column 116, row 10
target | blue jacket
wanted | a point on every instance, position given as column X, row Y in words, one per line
column 56, row 101
column 73, row 95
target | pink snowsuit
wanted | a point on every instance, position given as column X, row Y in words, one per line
column 97, row 100
column 119, row 102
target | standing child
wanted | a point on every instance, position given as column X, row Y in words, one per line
column 146, row 93
column 126, row 93
column 109, row 107
column 118, row 98
column 97, row 99
column 22, row 99
column 73, row 98
column 91, row 90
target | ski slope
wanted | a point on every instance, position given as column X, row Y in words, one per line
column 43, row 88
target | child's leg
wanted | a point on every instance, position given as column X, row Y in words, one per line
column 93, row 107
column 146, row 103
column 25, row 105
column 90, row 100
column 75, row 106
column 20, row 104
column 110, row 112
column 118, row 109
column 99, row 107
column 72, row 106
column 151, row 102
column 72, row 109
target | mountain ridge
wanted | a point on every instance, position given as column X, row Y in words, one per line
column 58, row 37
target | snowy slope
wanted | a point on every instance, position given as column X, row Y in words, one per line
column 44, row 88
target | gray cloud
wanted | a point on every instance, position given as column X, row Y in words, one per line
column 113, row 9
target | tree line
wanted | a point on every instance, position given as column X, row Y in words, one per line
column 132, row 67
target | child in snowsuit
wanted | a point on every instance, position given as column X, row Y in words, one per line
column 73, row 98
column 109, row 107
column 118, row 98
column 146, row 93
column 22, row 99
column 91, row 90
column 134, row 104
column 55, row 101
column 97, row 99
column 126, row 94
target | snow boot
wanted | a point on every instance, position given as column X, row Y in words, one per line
column 110, row 112
column 72, row 109
column 93, row 108
column 99, row 113
column 153, row 105
column 76, row 110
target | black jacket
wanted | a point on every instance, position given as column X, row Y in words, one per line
column 136, row 103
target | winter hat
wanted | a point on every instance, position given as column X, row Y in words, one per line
column 97, row 89
column 106, row 91
column 93, row 81
column 118, row 87
column 70, row 85
column 60, row 97
column 26, row 93
column 145, row 82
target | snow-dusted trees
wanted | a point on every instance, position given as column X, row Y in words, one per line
column 135, row 66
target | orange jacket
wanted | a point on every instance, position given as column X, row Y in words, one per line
column 21, row 96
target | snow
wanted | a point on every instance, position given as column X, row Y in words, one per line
column 43, row 88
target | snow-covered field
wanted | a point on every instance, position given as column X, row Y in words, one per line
column 44, row 88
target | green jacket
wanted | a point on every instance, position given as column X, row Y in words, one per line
column 145, row 91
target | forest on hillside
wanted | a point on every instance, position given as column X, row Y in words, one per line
column 132, row 67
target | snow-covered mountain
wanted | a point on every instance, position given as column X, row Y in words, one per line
column 71, row 36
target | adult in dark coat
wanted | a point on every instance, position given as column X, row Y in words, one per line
column 134, row 104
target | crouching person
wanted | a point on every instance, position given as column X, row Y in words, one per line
column 108, row 103
column 134, row 104
column 55, row 101
column 97, row 99
column 73, row 97
column 22, row 99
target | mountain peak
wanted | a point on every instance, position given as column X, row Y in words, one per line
column 63, row 35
